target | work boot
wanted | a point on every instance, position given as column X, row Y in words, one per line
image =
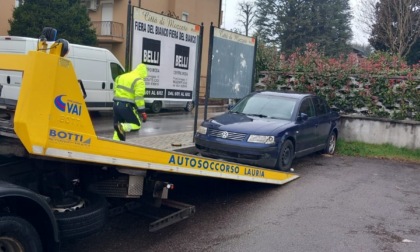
column 120, row 131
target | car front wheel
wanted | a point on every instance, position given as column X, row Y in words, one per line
column 331, row 144
column 286, row 155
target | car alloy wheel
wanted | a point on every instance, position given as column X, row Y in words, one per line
column 331, row 144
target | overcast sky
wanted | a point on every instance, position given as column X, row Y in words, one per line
column 230, row 8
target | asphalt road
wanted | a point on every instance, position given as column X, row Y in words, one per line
column 166, row 122
column 338, row 204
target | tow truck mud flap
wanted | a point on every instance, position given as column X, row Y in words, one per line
column 169, row 212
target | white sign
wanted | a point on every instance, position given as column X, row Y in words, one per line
column 169, row 49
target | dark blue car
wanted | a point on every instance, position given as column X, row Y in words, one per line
column 269, row 129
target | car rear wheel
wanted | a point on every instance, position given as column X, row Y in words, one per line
column 331, row 144
column 286, row 155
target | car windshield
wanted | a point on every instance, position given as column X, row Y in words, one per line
column 270, row 106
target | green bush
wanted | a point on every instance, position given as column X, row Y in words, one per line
column 382, row 85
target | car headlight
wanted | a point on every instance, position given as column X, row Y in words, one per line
column 261, row 139
column 202, row 130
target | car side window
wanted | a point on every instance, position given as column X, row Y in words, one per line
column 321, row 107
column 307, row 108
column 116, row 70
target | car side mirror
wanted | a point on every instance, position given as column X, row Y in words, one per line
column 230, row 106
column 302, row 117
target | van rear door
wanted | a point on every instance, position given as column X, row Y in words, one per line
column 91, row 67
column 10, row 81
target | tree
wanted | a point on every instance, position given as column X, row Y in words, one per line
column 69, row 17
column 395, row 26
column 299, row 22
column 267, row 58
column 267, row 22
column 246, row 15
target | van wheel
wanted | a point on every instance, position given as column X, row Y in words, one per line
column 189, row 107
column 286, row 155
column 18, row 235
column 156, row 106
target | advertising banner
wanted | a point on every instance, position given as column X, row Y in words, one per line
column 168, row 47
column 232, row 65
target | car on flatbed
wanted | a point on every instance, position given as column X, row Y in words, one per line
column 270, row 129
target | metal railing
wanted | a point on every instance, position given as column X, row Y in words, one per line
column 108, row 28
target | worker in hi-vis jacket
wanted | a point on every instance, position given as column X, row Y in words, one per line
column 129, row 103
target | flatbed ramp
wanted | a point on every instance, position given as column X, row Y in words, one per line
column 52, row 120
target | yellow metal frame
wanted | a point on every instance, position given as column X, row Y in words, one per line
column 51, row 119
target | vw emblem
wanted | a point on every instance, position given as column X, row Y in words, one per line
column 225, row 134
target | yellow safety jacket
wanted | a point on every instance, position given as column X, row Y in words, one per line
column 130, row 87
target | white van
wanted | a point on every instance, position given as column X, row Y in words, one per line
column 95, row 67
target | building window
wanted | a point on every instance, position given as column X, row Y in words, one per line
column 18, row 3
column 184, row 16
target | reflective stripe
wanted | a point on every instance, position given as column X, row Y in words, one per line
column 130, row 90
column 139, row 98
column 134, row 83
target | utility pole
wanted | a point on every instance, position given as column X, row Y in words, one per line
column 128, row 39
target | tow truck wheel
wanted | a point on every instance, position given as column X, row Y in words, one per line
column 18, row 235
column 88, row 217
column 156, row 106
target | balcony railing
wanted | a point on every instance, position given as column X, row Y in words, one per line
column 108, row 31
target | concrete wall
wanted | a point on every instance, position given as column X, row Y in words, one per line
column 380, row 131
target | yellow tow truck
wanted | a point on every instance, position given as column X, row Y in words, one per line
column 58, row 179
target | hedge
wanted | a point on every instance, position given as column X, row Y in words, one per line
column 381, row 85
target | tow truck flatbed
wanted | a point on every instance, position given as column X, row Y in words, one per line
column 52, row 120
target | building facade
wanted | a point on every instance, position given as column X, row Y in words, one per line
column 6, row 13
column 109, row 18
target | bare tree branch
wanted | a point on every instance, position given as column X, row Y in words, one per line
column 246, row 13
column 393, row 23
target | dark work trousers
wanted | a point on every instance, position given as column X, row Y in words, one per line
column 126, row 114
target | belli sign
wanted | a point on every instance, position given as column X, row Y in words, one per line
column 169, row 48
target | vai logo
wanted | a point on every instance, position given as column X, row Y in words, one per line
column 71, row 107
column 68, row 137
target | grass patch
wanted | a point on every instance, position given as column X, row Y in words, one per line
column 385, row 151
